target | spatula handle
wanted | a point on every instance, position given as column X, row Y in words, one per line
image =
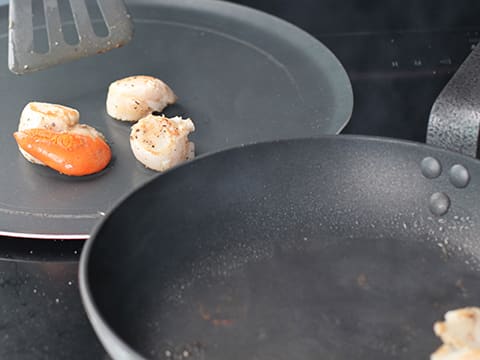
column 454, row 122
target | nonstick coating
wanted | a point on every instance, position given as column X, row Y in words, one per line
column 303, row 249
column 241, row 75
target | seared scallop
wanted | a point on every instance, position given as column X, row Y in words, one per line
column 160, row 142
column 50, row 135
column 460, row 333
column 446, row 352
column 40, row 115
column 134, row 97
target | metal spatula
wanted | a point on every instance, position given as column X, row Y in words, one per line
column 23, row 58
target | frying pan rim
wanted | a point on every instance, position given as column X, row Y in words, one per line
column 97, row 320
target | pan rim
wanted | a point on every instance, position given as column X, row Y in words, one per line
column 97, row 320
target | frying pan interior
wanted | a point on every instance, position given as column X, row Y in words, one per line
column 301, row 249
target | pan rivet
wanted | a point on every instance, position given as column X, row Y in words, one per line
column 431, row 167
column 459, row 176
column 439, row 203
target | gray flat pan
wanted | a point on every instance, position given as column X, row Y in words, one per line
column 242, row 76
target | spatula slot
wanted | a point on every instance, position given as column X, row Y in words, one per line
column 40, row 39
column 70, row 34
column 96, row 17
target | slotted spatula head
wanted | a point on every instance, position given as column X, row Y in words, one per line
column 22, row 55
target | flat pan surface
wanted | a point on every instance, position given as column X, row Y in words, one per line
column 241, row 75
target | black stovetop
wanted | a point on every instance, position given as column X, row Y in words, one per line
column 398, row 54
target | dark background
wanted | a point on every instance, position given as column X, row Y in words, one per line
column 321, row 17
column 399, row 54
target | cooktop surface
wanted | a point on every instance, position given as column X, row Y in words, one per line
column 399, row 55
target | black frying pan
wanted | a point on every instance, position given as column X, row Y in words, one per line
column 328, row 248
column 309, row 249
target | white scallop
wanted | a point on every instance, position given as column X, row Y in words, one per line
column 160, row 143
column 134, row 97
column 460, row 333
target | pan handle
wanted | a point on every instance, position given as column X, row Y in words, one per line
column 454, row 122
